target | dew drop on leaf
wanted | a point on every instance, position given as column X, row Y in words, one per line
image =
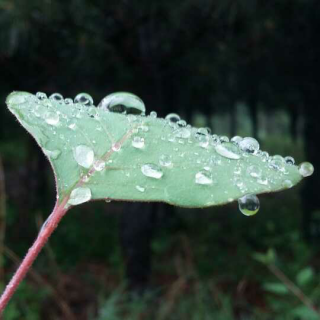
column 306, row 169
column 99, row 165
column 41, row 95
column 254, row 171
column 54, row 154
column 289, row 160
column 236, row 139
column 17, row 99
column 141, row 189
column 165, row 160
column 204, row 177
column 287, row 184
column 172, row 117
column 152, row 171
column 79, row 195
column 138, row 142
column 228, row 150
column 249, row 145
column 83, row 155
column 153, row 114
column 57, row 97
column 249, row 204
column 51, row 118
column 123, row 102
column 84, row 99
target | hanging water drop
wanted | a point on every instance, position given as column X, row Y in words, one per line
column 228, row 150
column 249, row 145
column 152, row 171
column 84, row 99
column 79, row 195
column 123, row 102
column 249, row 204
column 138, row 142
column 83, row 155
column 204, row 177
column 306, row 169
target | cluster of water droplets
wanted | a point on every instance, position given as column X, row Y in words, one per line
column 237, row 151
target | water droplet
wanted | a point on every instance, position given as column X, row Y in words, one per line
column 72, row 126
column 254, row 171
column 123, row 102
column 165, row 160
column 52, row 154
column 17, row 99
column 141, row 189
column 249, row 204
column 181, row 123
column 306, row 169
column 172, row 117
column 277, row 162
column 224, row 139
column 153, row 114
column 57, row 97
column 138, row 142
column 84, row 99
column 202, row 135
column 289, row 160
column 183, row 133
column 228, row 150
column 116, row 147
column 236, row 139
column 204, row 177
column 287, row 184
column 99, row 165
column 51, row 118
column 68, row 101
column 152, row 171
column 79, row 195
column 83, row 155
column 41, row 95
column 249, row 145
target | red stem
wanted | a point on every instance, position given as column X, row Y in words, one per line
column 46, row 231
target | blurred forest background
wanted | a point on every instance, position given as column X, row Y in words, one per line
column 246, row 67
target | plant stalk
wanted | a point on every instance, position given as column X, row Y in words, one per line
column 49, row 226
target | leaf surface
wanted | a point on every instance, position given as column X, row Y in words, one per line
column 176, row 165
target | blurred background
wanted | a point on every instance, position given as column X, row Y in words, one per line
column 246, row 67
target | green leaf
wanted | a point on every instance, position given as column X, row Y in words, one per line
column 277, row 288
column 304, row 276
column 164, row 169
column 266, row 258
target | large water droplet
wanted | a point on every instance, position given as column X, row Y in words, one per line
column 249, row 145
column 152, row 170
column 84, row 99
column 138, row 142
column 249, row 204
column 204, row 177
column 306, row 169
column 228, row 150
column 51, row 118
column 123, row 102
column 83, row 155
column 79, row 195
